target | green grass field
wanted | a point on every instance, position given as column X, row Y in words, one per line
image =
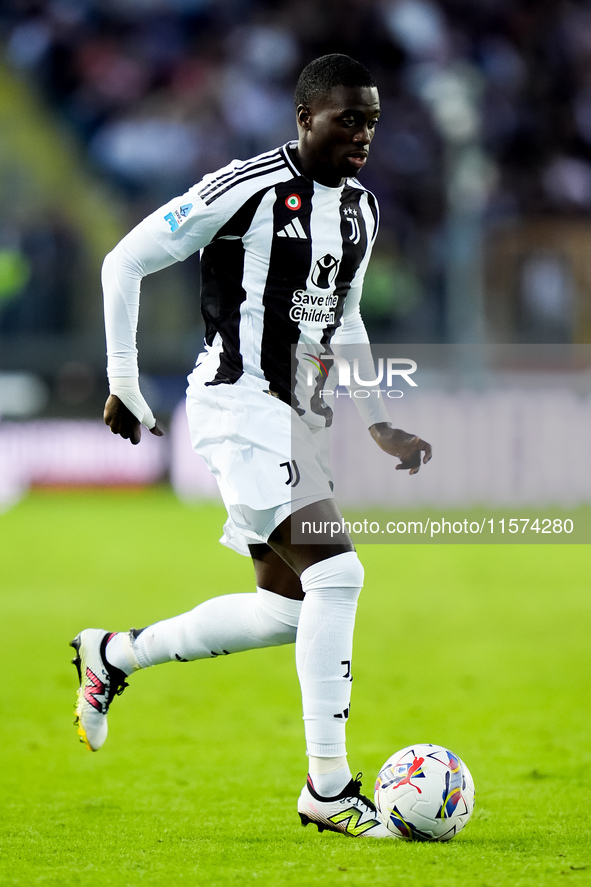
column 481, row 648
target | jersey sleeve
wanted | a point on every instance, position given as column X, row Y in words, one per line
column 190, row 222
column 352, row 330
column 183, row 226
column 186, row 224
column 123, row 270
column 171, row 233
column 351, row 338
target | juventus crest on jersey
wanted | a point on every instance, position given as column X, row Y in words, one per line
column 279, row 254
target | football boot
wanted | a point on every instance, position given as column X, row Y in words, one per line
column 349, row 812
column 99, row 681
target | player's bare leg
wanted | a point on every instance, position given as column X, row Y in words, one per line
column 273, row 573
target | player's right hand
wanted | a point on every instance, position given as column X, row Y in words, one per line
column 126, row 411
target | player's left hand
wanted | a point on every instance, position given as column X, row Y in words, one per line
column 406, row 447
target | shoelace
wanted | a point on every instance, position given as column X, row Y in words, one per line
column 357, row 786
column 116, row 687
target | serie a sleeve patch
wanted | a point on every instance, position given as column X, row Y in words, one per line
column 176, row 217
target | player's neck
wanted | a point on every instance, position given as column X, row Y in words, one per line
column 314, row 170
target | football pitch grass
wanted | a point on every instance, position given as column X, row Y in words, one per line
column 484, row 649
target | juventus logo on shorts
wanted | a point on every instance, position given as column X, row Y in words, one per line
column 325, row 271
column 293, row 473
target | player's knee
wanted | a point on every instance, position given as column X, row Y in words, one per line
column 341, row 571
column 283, row 635
column 275, row 619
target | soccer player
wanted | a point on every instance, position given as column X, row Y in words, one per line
column 287, row 229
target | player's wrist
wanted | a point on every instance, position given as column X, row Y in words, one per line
column 127, row 389
column 126, row 384
column 379, row 428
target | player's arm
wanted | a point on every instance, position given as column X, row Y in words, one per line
column 124, row 268
column 409, row 448
column 170, row 234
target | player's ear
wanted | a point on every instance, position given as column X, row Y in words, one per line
column 303, row 116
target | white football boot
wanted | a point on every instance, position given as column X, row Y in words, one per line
column 99, row 683
column 349, row 813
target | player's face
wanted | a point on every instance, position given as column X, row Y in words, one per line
column 336, row 132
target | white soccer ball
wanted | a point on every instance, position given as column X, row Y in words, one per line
column 424, row 793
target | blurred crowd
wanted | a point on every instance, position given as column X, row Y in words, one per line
column 161, row 91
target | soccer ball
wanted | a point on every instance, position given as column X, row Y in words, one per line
column 424, row 793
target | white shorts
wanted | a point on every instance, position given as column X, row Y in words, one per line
column 267, row 462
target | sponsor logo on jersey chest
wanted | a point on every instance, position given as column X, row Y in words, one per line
column 325, row 271
column 313, row 307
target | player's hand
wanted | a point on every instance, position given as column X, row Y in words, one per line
column 406, row 447
column 126, row 410
column 122, row 421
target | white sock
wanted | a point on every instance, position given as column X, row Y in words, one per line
column 324, row 649
column 228, row 624
column 120, row 653
column 329, row 776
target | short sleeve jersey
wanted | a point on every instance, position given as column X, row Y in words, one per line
column 279, row 253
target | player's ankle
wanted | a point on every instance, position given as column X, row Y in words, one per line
column 328, row 776
column 119, row 652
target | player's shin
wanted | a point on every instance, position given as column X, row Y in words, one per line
column 217, row 627
column 323, row 656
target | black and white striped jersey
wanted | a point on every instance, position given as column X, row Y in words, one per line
column 279, row 254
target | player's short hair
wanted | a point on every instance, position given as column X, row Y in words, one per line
column 324, row 73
